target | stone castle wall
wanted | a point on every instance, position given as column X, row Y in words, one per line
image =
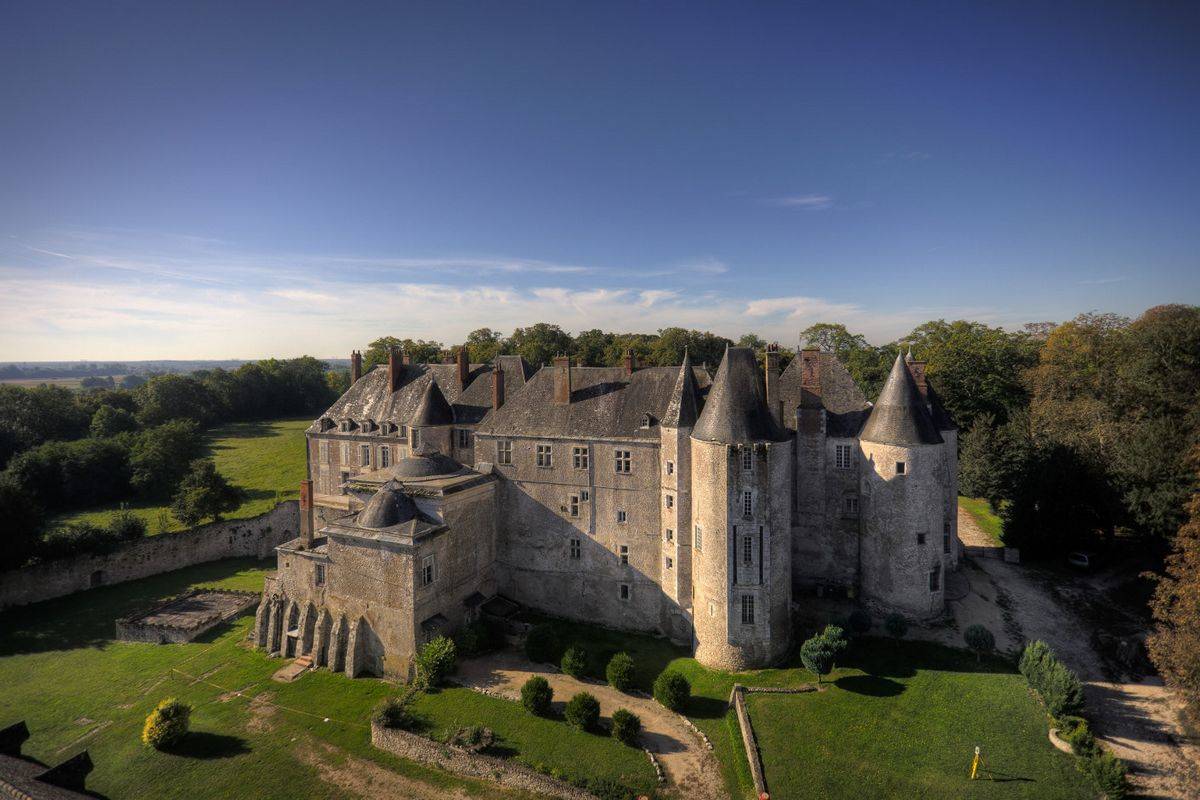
column 152, row 555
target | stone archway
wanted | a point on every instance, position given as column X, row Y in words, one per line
column 308, row 626
column 321, row 638
column 291, row 631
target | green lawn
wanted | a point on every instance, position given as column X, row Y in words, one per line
column 77, row 688
column 266, row 459
column 981, row 512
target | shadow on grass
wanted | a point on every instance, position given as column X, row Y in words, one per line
column 870, row 685
column 1003, row 777
column 205, row 745
column 702, row 707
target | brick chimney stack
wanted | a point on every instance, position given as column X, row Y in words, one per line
column 771, row 380
column 394, row 369
column 810, row 378
column 917, row 368
column 306, row 514
column 562, row 380
column 355, row 366
column 464, row 366
column 497, row 386
column 630, row 363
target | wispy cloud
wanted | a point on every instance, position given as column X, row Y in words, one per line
column 1100, row 281
column 805, row 202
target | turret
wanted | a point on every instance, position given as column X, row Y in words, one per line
column 675, row 480
column 430, row 425
column 741, row 522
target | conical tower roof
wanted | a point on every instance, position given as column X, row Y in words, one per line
column 735, row 411
column 682, row 411
column 900, row 417
column 433, row 409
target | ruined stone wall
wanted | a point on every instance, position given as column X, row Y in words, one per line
column 256, row 537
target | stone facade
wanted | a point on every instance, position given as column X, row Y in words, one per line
column 657, row 499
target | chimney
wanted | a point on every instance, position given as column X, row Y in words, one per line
column 355, row 366
column 917, row 368
column 630, row 363
column 405, row 358
column 810, row 378
column 464, row 367
column 771, row 380
column 497, row 386
column 562, row 380
column 306, row 514
column 394, row 369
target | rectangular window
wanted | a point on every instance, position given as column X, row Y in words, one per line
column 573, row 505
column 366, row 455
column 850, row 505
column 670, row 467
column 699, row 538
column 670, row 535
column 622, row 461
column 747, row 550
column 624, row 593
column 623, row 551
column 545, row 456
column 464, row 437
column 899, row 467
column 385, row 456
column 576, row 548
column 747, row 459
column 428, row 570
column 403, row 432
column 345, row 452
column 669, row 563
column 504, row 452
column 670, row 501
column 747, row 609
column 921, row 538
column 584, row 495
column 318, row 574
column 845, row 457
column 621, row 516
column 935, row 578
column 416, row 438
column 945, row 536
column 579, row 457
column 323, row 452
column 747, row 504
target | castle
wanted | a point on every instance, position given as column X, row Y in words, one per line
column 656, row 499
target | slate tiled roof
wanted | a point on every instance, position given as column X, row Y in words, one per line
column 605, row 402
column 900, row 417
column 736, row 409
column 846, row 408
column 433, row 409
column 683, row 409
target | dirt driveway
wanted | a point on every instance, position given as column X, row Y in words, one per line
column 691, row 768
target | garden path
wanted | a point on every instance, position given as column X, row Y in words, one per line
column 690, row 767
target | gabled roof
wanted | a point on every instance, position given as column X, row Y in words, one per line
column 899, row 417
column 845, row 405
column 433, row 409
column 736, row 410
column 682, row 411
column 606, row 402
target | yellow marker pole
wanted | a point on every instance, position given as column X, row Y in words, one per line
column 976, row 762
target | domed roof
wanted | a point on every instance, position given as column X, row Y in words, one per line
column 425, row 465
column 388, row 507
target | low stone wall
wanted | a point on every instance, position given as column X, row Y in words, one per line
column 1010, row 554
column 463, row 763
column 183, row 618
column 256, row 537
column 737, row 699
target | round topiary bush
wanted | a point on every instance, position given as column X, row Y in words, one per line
column 626, row 726
column 541, row 645
column 895, row 625
column 436, row 661
column 574, row 661
column 167, row 724
column 620, row 672
column 536, row 696
column 860, row 621
column 672, row 690
column 582, row 711
column 979, row 639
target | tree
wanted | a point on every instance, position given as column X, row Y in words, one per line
column 418, row 351
column 620, row 672
column 536, row 696
column 979, row 639
column 436, row 661
column 702, row 346
column 484, row 345
column 204, row 494
column 867, row 365
column 835, row 637
column 672, row 690
column 167, row 724
column 626, row 726
column 77, row 474
column 109, row 421
column 582, row 711
column 167, row 397
column 574, row 661
column 590, row 348
column 22, row 524
column 817, row 656
column 160, row 457
column 540, row 343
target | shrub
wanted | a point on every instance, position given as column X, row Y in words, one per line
column 536, row 696
column 1033, row 660
column 574, row 661
column 896, row 625
column 1109, row 773
column 582, row 711
column 620, row 672
column 859, row 621
column 482, row 636
column 204, row 493
column 126, row 527
column 1062, row 691
column 167, row 724
column 109, row 421
column 436, row 661
column 817, row 655
column 626, row 726
column 979, row 639
column 80, row 537
column 396, row 712
column 1077, row 734
column 672, row 690
column 541, row 645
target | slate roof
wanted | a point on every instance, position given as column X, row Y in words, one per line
column 736, row 409
column 900, row 417
column 389, row 506
column 846, row 408
column 433, row 409
column 682, row 410
column 371, row 398
column 605, row 403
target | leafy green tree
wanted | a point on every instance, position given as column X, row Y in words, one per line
column 76, row 474
column 702, row 346
column 574, row 661
column 109, row 421
column 979, row 639
column 131, row 381
column 620, row 672
column 867, row 365
column 436, row 661
column 204, row 494
column 591, row 347
column 536, row 696
column 817, row 656
column 418, row 351
column 484, row 345
column 337, row 381
column 32, row 416
column 126, row 526
column 540, row 343
column 22, row 523
column 167, row 397
column 582, row 711
column 160, row 457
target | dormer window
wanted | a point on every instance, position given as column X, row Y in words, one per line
column 325, row 424
column 646, row 421
column 346, row 426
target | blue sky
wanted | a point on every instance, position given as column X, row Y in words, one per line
column 244, row 179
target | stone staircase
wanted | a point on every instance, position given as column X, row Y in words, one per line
column 295, row 669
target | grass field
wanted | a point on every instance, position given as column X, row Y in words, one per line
column 77, row 688
column 266, row 459
column 981, row 512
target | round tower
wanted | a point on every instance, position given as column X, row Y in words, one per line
column 741, row 523
column 903, row 505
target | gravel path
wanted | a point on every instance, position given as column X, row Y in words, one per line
column 691, row 768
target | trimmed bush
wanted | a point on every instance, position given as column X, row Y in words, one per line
column 1109, row 773
column 1060, row 688
column 895, row 625
column 626, row 726
column 860, row 621
column 536, row 696
column 1033, row 660
column 817, row 655
column 167, row 724
column 979, row 639
column 436, row 661
column 574, row 661
column 582, row 711
column 620, row 672
column 672, row 690
column 1077, row 734
column 542, row 645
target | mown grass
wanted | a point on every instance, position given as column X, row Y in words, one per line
column 265, row 459
column 981, row 512
column 77, row 688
